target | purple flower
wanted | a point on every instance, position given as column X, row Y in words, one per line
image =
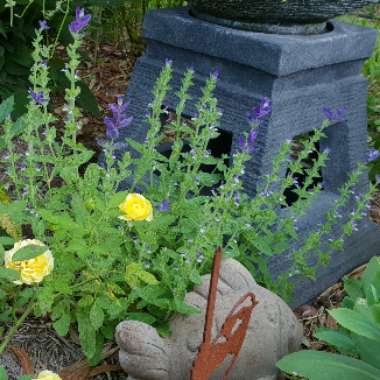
column 168, row 62
column 43, row 25
column 338, row 116
column 259, row 112
column 247, row 144
column 373, row 155
column 38, row 97
column 164, row 206
column 81, row 21
column 118, row 119
column 215, row 74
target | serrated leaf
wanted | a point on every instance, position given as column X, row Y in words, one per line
column 62, row 325
column 9, row 274
column 96, row 316
column 319, row 365
column 29, row 252
column 87, row 335
column 135, row 275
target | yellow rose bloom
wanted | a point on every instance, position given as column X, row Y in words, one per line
column 31, row 271
column 48, row 375
column 136, row 208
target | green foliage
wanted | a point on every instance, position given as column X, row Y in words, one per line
column 108, row 269
column 372, row 70
column 319, row 365
column 358, row 335
column 17, row 30
column 115, row 18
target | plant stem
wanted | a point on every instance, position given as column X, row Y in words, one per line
column 67, row 11
column 15, row 327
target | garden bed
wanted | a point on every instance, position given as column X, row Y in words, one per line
column 107, row 75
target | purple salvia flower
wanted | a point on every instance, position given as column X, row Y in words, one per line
column 259, row 112
column 81, row 21
column 38, row 97
column 377, row 178
column 118, row 119
column 164, row 206
column 338, row 116
column 215, row 74
column 168, row 62
column 373, row 155
column 43, row 25
column 247, row 145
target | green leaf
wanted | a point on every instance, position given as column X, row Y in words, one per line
column 6, row 241
column 62, row 325
column 372, row 273
column 6, row 108
column 3, row 374
column 135, row 275
column 371, row 295
column 368, row 350
column 29, row 252
column 356, row 323
column 185, row 309
column 25, row 377
column 87, row 335
column 142, row 317
column 319, row 365
column 9, row 274
column 96, row 316
column 337, row 339
column 135, row 145
column 353, row 288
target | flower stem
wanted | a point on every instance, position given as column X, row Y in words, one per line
column 16, row 326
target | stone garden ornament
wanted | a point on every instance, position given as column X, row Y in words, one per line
column 272, row 332
column 300, row 73
column 275, row 16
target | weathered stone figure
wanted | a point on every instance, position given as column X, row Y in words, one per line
column 273, row 332
column 275, row 16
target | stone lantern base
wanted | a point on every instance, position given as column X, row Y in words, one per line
column 301, row 75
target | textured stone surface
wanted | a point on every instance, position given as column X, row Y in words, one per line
column 296, row 11
column 301, row 75
column 273, row 332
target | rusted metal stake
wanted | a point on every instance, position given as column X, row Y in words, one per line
column 212, row 353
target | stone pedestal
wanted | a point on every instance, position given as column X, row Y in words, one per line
column 301, row 75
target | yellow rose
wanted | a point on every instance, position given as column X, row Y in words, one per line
column 136, row 208
column 48, row 375
column 33, row 270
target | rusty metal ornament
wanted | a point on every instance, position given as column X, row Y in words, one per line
column 230, row 339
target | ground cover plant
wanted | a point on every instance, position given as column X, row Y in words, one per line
column 76, row 248
column 357, row 339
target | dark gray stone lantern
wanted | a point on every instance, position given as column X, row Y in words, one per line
column 301, row 74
